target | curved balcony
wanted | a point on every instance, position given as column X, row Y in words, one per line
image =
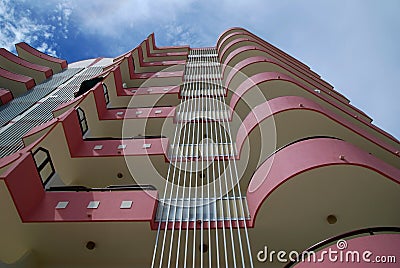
column 285, row 120
column 299, row 191
column 245, row 40
column 153, row 92
column 279, row 54
column 165, row 77
column 5, row 96
column 246, row 52
column 18, row 84
column 65, row 216
column 267, row 86
column 119, row 122
column 175, row 58
column 97, row 162
column 246, row 70
column 234, row 33
column 227, row 32
column 143, row 64
column 18, row 65
column 33, row 55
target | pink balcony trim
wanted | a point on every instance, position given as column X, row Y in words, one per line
column 116, row 71
column 142, row 90
column 95, row 61
column 147, row 90
column 131, row 113
column 303, row 156
column 144, row 63
column 279, row 52
column 257, row 59
column 119, row 58
column 268, row 47
column 134, row 75
column 76, row 102
column 271, row 48
column 7, row 160
column 37, row 53
column 143, row 207
column 41, row 127
column 242, row 89
column 5, row 95
column 162, row 54
column 24, row 184
column 290, row 103
column 244, row 31
column 291, row 59
column 35, row 205
column 127, row 113
column 28, row 82
column 81, row 148
column 264, row 77
column 315, row 82
column 378, row 244
column 19, row 61
column 104, row 113
column 289, row 63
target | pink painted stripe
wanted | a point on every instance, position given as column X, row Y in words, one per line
column 95, row 61
column 258, row 59
column 36, row 205
column 29, row 82
column 291, row 103
column 272, row 53
column 244, row 31
column 263, row 77
column 303, row 156
column 162, row 54
column 143, row 63
column 37, row 53
column 5, row 95
column 81, row 148
column 135, row 75
column 17, row 60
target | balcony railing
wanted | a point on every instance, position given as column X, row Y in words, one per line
column 207, row 209
column 202, row 150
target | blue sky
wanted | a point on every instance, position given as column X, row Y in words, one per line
column 354, row 45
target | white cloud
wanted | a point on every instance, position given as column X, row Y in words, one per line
column 44, row 47
column 108, row 18
column 178, row 35
column 18, row 27
column 351, row 44
column 63, row 11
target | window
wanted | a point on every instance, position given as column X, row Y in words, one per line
column 106, row 96
column 44, row 165
column 82, row 120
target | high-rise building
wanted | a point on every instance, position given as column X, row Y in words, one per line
column 236, row 155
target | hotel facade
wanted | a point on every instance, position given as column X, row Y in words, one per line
column 236, row 155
